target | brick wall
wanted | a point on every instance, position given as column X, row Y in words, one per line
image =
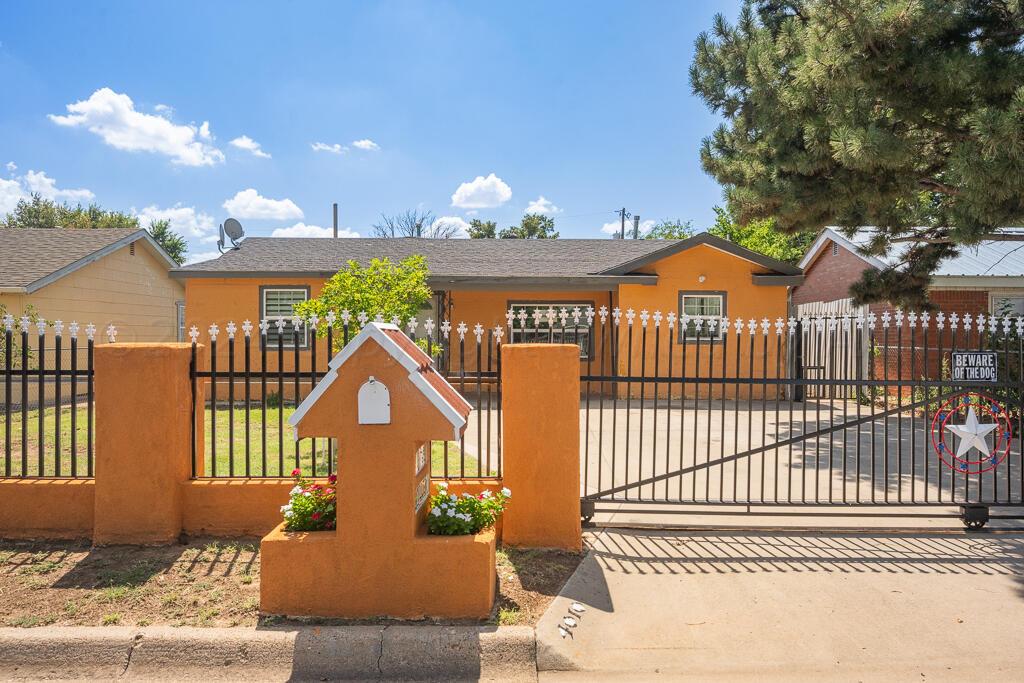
column 830, row 276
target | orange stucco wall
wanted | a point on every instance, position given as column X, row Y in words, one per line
column 46, row 508
column 722, row 272
column 542, row 446
column 143, row 450
column 379, row 559
column 233, row 507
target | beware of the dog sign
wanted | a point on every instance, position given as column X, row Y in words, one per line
column 974, row 366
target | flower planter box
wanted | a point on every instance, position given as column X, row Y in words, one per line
column 317, row 573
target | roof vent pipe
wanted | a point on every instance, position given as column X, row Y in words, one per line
column 335, row 220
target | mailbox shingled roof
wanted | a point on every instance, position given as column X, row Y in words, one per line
column 421, row 373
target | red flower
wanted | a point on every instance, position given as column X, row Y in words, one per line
column 296, row 472
column 480, row 497
column 332, row 478
column 316, row 516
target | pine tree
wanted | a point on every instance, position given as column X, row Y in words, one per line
column 904, row 115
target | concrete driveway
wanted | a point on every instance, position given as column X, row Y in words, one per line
column 792, row 606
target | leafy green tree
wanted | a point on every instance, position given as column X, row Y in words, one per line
column 671, row 230
column 904, row 115
column 382, row 287
column 762, row 236
column 37, row 212
column 173, row 243
column 533, row 226
column 479, row 229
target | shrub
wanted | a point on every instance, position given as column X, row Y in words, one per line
column 452, row 515
column 311, row 506
column 273, row 400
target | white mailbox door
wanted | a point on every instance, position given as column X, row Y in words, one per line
column 374, row 403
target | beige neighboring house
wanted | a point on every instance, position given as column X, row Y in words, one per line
column 100, row 276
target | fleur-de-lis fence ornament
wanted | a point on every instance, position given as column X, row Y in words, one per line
column 314, row 320
column 499, row 332
column 279, row 324
column 563, row 317
column 1020, row 326
column 428, row 326
column 247, row 328
column 737, row 325
column 1006, row 324
column 670, row 318
column 657, row 319
column 630, row 315
column 478, row 332
column 412, row 325
column 940, row 320
column 461, row 329
column 967, row 322
column 926, row 318
column 446, row 328
column 603, row 314
column 751, row 326
column 363, row 318
column 616, row 316
column 264, row 326
column 644, row 316
column 510, row 316
column 231, row 329
column 331, row 317
column 765, row 325
column 712, row 324
column 859, row 321
column 111, row 333
column 193, row 333
column 73, row 329
column 8, row 322
column 214, row 331
column 537, row 315
column 846, row 323
column 379, row 318
column 590, row 316
column 886, row 319
column 912, row 320
column 872, row 318
column 58, row 327
column 576, row 316
column 396, row 320
column 296, row 323
column 993, row 324
column 25, row 322
column 41, row 326
column 346, row 316
column 90, row 332
column 898, row 318
column 791, row 324
column 779, row 324
column 698, row 324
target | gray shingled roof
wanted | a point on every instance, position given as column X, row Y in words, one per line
column 445, row 258
column 456, row 258
column 31, row 255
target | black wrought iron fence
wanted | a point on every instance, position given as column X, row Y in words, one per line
column 48, row 422
column 256, row 376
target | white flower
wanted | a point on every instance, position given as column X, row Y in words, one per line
column 486, row 494
column 295, row 491
column 467, row 495
column 288, row 514
column 506, row 492
column 442, row 485
column 450, row 512
column 436, row 512
column 454, row 498
column 286, row 508
column 307, row 494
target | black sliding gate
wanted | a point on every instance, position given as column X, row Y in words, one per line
column 703, row 414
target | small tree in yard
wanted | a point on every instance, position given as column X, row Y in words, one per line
column 384, row 287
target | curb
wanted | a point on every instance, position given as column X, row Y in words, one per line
column 389, row 652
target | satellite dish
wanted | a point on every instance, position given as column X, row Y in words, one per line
column 233, row 230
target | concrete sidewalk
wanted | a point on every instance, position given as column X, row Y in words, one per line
column 791, row 605
column 308, row 653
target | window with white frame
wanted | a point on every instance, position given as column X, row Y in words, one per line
column 179, row 311
column 1007, row 304
column 703, row 306
column 277, row 303
column 532, row 323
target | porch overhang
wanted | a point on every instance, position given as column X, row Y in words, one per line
column 537, row 283
column 774, row 280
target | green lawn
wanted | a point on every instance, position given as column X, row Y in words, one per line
column 272, row 461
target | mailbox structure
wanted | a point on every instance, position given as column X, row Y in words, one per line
column 384, row 402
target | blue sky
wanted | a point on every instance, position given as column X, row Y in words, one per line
column 196, row 111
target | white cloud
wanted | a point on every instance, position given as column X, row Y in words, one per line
column 184, row 219
column 542, row 205
column 164, row 110
column 210, row 239
column 303, row 230
column 114, row 118
column 615, row 227
column 45, row 186
column 10, row 193
column 368, row 145
column 250, row 204
column 201, row 256
column 333, row 149
column 460, row 225
column 482, row 193
column 11, row 166
column 248, row 144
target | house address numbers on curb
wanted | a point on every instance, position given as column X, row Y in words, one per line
column 974, row 366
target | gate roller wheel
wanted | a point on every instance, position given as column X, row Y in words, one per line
column 974, row 517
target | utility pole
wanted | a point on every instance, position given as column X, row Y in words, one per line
column 335, row 220
column 623, row 215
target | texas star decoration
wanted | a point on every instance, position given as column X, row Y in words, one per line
column 972, row 434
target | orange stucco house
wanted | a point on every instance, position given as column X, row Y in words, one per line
column 478, row 281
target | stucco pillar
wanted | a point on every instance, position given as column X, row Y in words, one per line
column 541, row 444
column 143, row 434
